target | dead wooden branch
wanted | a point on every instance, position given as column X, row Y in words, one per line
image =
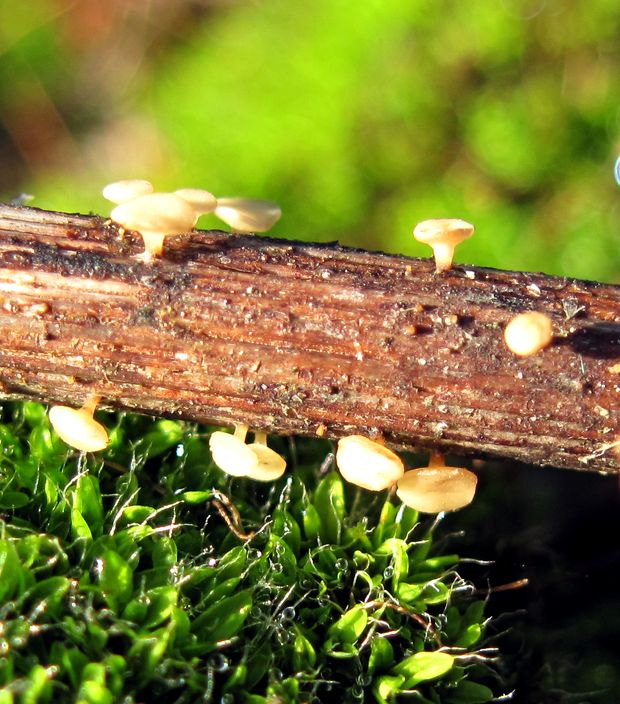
column 309, row 339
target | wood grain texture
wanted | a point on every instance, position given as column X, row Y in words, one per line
column 309, row 339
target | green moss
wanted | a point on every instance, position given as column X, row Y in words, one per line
column 120, row 580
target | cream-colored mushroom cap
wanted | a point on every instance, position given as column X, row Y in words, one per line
column 246, row 215
column 368, row 464
column 528, row 333
column 78, row 428
column 232, row 455
column 443, row 235
column 166, row 213
column 202, row 201
column 123, row 191
column 437, row 489
column 270, row 465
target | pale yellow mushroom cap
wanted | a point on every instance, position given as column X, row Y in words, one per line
column 270, row 466
column 246, row 215
column 202, row 201
column 368, row 464
column 232, row 455
column 528, row 333
column 443, row 235
column 123, row 191
column 437, row 489
column 156, row 212
column 78, row 428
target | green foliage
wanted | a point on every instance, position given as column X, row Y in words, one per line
column 119, row 580
column 372, row 119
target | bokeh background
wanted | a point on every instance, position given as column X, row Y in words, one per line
column 360, row 119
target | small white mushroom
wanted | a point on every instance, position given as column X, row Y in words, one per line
column 157, row 215
column 528, row 333
column 271, row 465
column 368, row 464
column 123, row 191
column 231, row 454
column 437, row 488
column 246, row 215
column 202, row 201
column 443, row 235
column 256, row 461
column 78, row 428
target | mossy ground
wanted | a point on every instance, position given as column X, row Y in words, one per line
column 130, row 576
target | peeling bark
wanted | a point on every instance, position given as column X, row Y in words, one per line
column 308, row 339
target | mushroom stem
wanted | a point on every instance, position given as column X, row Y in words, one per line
column 90, row 404
column 444, row 254
column 153, row 244
column 260, row 438
column 436, row 459
column 241, row 431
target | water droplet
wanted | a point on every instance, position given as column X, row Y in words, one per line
column 277, row 567
column 288, row 614
column 285, row 637
column 388, row 571
column 219, row 662
column 342, row 564
column 276, row 675
column 254, row 554
column 357, row 692
column 280, row 550
column 227, row 698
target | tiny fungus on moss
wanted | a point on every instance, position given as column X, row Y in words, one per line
column 528, row 333
column 230, row 453
column 246, row 215
column 368, row 464
column 437, row 488
column 270, row 465
column 156, row 215
column 256, row 461
column 78, row 428
column 443, row 235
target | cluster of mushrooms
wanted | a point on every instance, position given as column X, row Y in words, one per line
column 157, row 215
column 367, row 463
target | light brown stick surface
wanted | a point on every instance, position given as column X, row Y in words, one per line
column 309, row 339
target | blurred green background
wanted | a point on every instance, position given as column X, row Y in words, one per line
column 359, row 118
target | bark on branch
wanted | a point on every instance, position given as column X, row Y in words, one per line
column 308, row 339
